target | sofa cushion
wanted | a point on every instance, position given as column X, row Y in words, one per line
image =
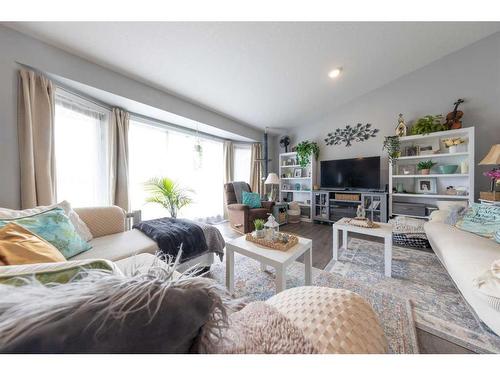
column 481, row 219
column 59, row 272
column 55, row 227
column 465, row 256
column 20, row 246
column 80, row 227
column 252, row 200
column 119, row 246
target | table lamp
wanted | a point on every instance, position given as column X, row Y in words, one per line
column 492, row 158
column 273, row 180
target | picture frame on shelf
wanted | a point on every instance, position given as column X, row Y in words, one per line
column 297, row 173
column 426, row 185
column 430, row 148
column 411, row 150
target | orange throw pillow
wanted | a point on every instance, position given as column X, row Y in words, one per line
column 20, row 246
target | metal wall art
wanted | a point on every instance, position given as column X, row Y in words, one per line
column 358, row 133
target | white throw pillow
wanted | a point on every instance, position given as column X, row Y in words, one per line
column 448, row 205
column 488, row 285
column 80, row 227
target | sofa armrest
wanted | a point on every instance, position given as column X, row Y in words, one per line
column 238, row 207
column 267, row 204
column 103, row 221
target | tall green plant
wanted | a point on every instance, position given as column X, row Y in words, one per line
column 304, row 151
column 168, row 193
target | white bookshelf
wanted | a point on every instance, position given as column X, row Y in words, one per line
column 441, row 156
column 288, row 187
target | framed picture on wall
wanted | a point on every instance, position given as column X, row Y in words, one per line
column 426, row 185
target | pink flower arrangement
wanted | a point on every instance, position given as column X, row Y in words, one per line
column 494, row 174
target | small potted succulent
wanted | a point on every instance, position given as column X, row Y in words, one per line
column 425, row 166
column 259, row 228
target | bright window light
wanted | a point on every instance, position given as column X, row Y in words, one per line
column 159, row 152
column 81, row 136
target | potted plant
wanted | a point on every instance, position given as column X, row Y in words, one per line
column 168, row 193
column 304, row 151
column 452, row 143
column 259, row 228
column 392, row 146
column 425, row 166
column 428, row 124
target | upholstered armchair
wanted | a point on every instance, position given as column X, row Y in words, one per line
column 242, row 216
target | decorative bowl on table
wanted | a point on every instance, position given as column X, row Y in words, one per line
column 447, row 169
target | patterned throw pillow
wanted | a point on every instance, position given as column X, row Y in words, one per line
column 251, row 199
column 60, row 272
column 54, row 227
column 481, row 219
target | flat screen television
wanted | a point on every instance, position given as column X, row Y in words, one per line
column 359, row 173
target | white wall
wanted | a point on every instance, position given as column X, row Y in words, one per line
column 17, row 48
column 472, row 73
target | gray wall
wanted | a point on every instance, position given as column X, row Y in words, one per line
column 17, row 48
column 472, row 73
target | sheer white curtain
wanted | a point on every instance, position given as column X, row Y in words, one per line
column 242, row 160
column 158, row 152
column 81, row 139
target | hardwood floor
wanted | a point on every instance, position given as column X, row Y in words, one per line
column 321, row 234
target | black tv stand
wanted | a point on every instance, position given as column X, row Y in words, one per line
column 332, row 205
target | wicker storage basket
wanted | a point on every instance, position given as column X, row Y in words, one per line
column 347, row 197
column 294, row 216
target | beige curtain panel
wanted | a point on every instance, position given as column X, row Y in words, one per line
column 119, row 156
column 36, row 139
column 256, row 169
column 228, row 154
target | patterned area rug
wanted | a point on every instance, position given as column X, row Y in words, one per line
column 394, row 312
column 438, row 306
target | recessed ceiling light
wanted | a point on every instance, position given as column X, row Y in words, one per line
column 335, row 73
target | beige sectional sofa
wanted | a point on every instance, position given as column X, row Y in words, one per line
column 465, row 256
column 114, row 242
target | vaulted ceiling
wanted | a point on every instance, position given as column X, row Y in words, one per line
column 264, row 74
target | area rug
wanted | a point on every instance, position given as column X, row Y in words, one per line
column 394, row 312
column 438, row 306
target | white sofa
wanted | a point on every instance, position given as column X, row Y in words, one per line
column 465, row 256
column 112, row 240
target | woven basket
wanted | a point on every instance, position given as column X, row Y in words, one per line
column 293, row 217
column 347, row 197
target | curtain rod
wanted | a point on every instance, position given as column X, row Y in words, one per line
column 154, row 121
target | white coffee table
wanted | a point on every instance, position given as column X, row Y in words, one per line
column 280, row 260
column 384, row 231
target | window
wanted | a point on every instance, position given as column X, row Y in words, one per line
column 242, row 158
column 156, row 151
column 81, row 136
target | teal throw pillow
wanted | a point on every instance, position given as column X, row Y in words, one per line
column 481, row 219
column 54, row 227
column 251, row 199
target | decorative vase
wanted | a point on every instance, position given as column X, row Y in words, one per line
column 425, row 171
column 400, row 188
column 452, row 149
column 464, row 167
